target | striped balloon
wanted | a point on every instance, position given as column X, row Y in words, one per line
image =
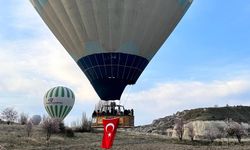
column 58, row 102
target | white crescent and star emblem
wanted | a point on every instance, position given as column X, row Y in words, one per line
column 110, row 125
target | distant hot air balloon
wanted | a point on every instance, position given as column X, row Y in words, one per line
column 58, row 102
column 112, row 41
column 36, row 119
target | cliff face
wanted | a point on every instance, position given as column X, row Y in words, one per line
column 159, row 126
column 201, row 127
column 201, row 119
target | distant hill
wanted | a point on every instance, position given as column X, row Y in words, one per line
column 236, row 113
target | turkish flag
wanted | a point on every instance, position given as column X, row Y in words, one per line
column 109, row 131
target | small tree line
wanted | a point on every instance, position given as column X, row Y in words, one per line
column 49, row 125
column 84, row 125
column 10, row 116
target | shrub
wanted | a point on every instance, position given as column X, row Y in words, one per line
column 23, row 118
column 2, row 148
column 29, row 127
column 82, row 126
column 69, row 132
column 61, row 127
column 50, row 126
column 86, row 123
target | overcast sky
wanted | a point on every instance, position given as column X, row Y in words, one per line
column 205, row 62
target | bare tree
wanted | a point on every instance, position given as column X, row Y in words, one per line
column 50, row 126
column 29, row 126
column 76, row 124
column 86, row 123
column 235, row 129
column 23, row 118
column 179, row 127
column 10, row 115
column 191, row 132
column 212, row 133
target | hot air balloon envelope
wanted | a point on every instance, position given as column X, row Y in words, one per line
column 36, row 119
column 58, row 102
column 112, row 41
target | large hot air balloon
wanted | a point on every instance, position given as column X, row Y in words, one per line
column 112, row 41
column 58, row 102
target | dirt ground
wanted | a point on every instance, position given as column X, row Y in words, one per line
column 14, row 137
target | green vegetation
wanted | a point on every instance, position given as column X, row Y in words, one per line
column 236, row 113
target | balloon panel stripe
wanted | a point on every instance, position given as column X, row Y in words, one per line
column 69, row 109
column 72, row 95
column 49, row 112
column 52, row 110
column 65, row 108
column 57, row 92
column 47, row 109
column 60, row 111
column 51, row 92
column 69, row 26
column 56, row 109
column 47, row 94
column 66, row 112
column 76, row 23
column 51, row 20
column 68, row 95
column 54, row 92
column 62, row 91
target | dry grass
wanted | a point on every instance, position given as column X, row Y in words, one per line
column 14, row 137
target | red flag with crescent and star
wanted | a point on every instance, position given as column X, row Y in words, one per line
column 109, row 131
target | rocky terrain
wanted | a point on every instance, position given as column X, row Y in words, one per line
column 201, row 118
column 160, row 126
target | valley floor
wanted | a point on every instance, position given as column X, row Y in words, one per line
column 14, row 137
